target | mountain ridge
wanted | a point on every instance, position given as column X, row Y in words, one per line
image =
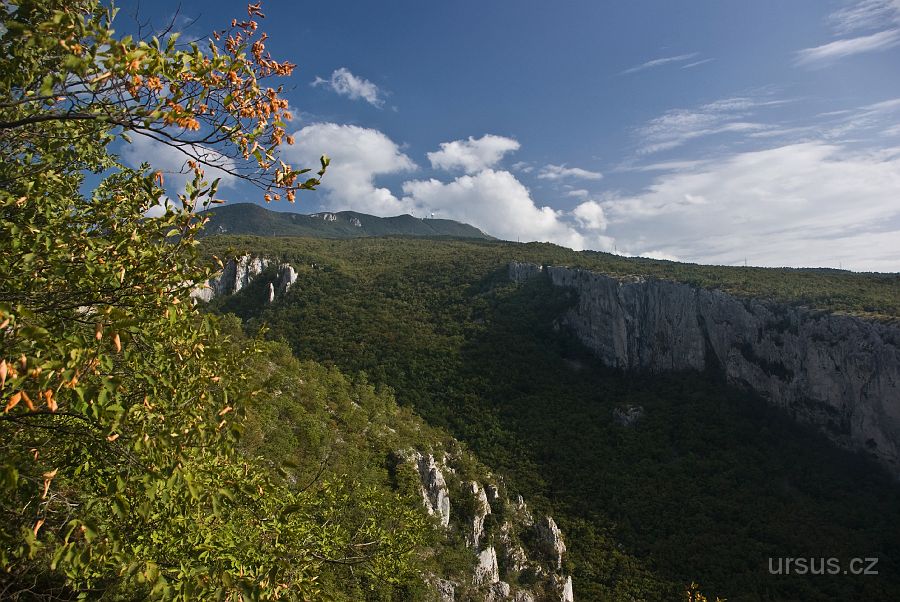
column 252, row 219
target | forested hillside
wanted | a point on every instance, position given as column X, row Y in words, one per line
column 706, row 485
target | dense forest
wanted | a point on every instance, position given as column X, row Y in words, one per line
column 707, row 485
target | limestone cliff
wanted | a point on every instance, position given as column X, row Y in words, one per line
column 514, row 558
column 837, row 372
column 238, row 272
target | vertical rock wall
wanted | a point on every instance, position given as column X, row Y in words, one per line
column 839, row 373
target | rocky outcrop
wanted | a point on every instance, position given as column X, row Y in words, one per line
column 435, row 495
column 287, row 276
column 445, row 589
column 498, row 592
column 628, row 415
column 239, row 272
column 481, row 509
column 517, row 559
column 487, row 570
column 563, row 587
column 550, row 541
column 837, row 372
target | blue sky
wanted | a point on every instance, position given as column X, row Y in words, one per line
column 709, row 131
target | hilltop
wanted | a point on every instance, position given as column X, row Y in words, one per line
column 250, row 219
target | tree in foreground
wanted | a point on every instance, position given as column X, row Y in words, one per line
column 120, row 403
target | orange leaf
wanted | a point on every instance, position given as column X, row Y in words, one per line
column 13, row 402
column 117, row 343
column 28, row 401
column 48, row 478
column 37, row 526
column 51, row 403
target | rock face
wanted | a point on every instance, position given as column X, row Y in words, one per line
column 482, row 509
column 446, row 591
column 564, row 589
column 240, row 272
column 434, row 488
column 504, row 570
column 487, row 571
column 550, row 541
column 839, row 373
column 628, row 415
column 287, row 276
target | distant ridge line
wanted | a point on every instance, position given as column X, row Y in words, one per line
column 252, row 219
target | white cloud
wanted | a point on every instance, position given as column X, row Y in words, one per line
column 499, row 204
column 880, row 18
column 661, row 61
column 693, row 64
column 657, row 254
column 676, row 127
column 558, row 172
column 343, row 82
column 173, row 165
column 589, row 214
column 808, row 204
column 579, row 193
column 358, row 156
column 474, row 154
column 865, row 15
column 522, row 166
column 849, row 46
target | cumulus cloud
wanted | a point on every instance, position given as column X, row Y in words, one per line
column 496, row 202
column 681, row 58
column 474, row 154
column 173, row 164
column 344, row 83
column 806, row 204
column 358, row 156
column 558, row 172
column 590, row 215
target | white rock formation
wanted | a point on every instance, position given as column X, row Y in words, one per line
column 486, row 571
column 287, row 276
column 482, row 509
column 563, row 587
column 498, row 592
column 240, row 272
column 434, row 487
column 550, row 541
